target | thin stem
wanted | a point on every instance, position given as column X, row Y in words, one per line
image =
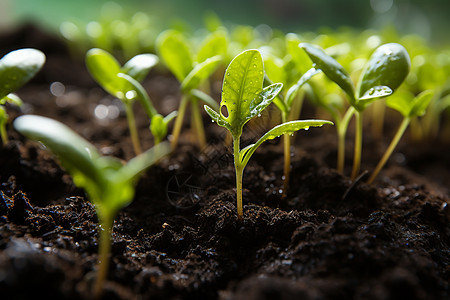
column 341, row 127
column 287, row 163
column 358, row 145
column 239, row 172
column 132, row 127
column 398, row 135
column 378, row 112
column 179, row 121
column 198, row 124
column 341, row 151
column 103, row 254
column 287, row 158
column 3, row 133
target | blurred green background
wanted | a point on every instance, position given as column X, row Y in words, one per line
column 430, row 19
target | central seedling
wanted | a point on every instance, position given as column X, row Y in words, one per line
column 244, row 98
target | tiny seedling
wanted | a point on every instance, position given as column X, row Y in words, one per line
column 123, row 83
column 108, row 183
column 287, row 71
column 244, row 98
column 410, row 107
column 176, row 52
column 16, row 69
column 386, row 69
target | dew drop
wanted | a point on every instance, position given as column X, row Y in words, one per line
column 306, row 128
column 228, row 74
column 254, row 66
column 371, row 91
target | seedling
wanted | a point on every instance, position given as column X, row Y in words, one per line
column 409, row 107
column 287, row 71
column 176, row 52
column 386, row 69
column 16, row 69
column 123, row 83
column 109, row 183
column 244, row 98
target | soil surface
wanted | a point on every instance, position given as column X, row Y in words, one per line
column 180, row 238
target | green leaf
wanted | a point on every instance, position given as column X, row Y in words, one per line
column 159, row 125
column 11, row 98
column 331, row 68
column 18, row 67
column 274, row 68
column 277, row 131
column 242, row 84
column 301, row 60
column 104, row 68
column 174, row 50
column 263, row 100
column 109, row 184
column 72, row 149
column 140, row 163
column 376, row 92
column 292, row 92
column 136, row 90
column 140, row 65
column 218, row 118
column 214, row 44
column 205, row 98
column 400, row 101
column 388, row 66
column 420, row 103
column 409, row 106
column 200, row 72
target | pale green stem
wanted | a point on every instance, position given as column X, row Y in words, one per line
column 198, row 124
column 378, row 112
column 3, row 121
column 103, row 254
column 3, row 133
column 398, row 135
column 239, row 172
column 179, row 121
column 341, row 127
column 287, row 158
column 358, row 145
column 132, row 127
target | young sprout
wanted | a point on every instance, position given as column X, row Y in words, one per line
column 409, row 107
column 244, row 98
column 109, row 183
column 16, row 68
column 287, row 71
column 386, row 69
column 123, row 83
column 176, row 52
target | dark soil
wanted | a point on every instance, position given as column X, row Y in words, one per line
column 181, row 239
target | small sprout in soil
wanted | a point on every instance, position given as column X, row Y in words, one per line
column 385, row 71
column 289, row 103
column 123, row 83
column 244, row 98
column 409, row 107
column 16, row 69
column 108, row 183
column 191, row 72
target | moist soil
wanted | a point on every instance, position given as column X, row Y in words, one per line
column 329, row 238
